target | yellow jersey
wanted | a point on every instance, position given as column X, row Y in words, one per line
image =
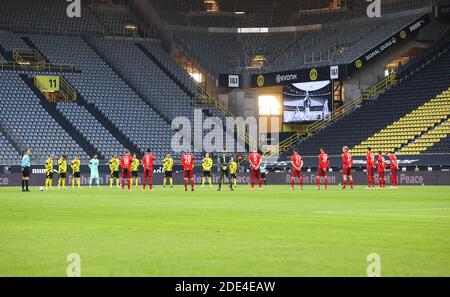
column 62, row 166
column 167, row 164
column 75, row 165
column 49, row 166
column 233, row 167
column 207, row 164
column 135, row 165
column 114, row 164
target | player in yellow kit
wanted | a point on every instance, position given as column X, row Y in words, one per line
column 75, row 164
column 135, row 169
column 207, row 165
column 167, row 167
column 62, row 170
column 114, row 168
column 49, row 171
column 233, row 170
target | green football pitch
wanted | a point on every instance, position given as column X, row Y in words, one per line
column 269, row 232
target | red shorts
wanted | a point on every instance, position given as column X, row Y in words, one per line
column 126, row 173
column 394, row 171
column 347, row 171
column 296, row 173
column 148, row 172
column 321, row 172
column 381, row 173
column 370, row 171
column 255, row 173
column 188, row 173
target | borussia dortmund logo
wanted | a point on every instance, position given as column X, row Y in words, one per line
column 260, row 80
column 358, row 63
column 403, row 34
column 313, row 74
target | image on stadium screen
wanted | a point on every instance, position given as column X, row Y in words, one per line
column 254, row 140
column 306, row 102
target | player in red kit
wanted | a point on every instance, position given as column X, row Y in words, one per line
column 125, row 163
column 324, row 162
column 297, row 164
column 381, row 169
column 370, row 159
column 394, row 169
column 255, row 168
column 187, row 161
column 347, row 164
column 147, row 163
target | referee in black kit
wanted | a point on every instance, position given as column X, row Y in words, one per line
column 26, row 169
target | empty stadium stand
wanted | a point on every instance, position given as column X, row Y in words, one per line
column 336, row 43
column 106, row 91
column 29, row 123
column 412, row 91
column 129, row 89
column 408, row 128
column 438, row 133
column 277, row 13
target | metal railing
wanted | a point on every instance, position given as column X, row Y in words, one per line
column 31, row 66
column 68, row 89
column 66, row 93
column 341, row 111
column 10, row 137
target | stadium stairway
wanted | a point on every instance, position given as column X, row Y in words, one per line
column 199, row 96
column 88, row 148
column 31, row 45
column 430, row 141
column 5, row 54
column 116, row 70
column 434, row 135
column 190, row 93
column 108, row 125
column 165, row 70
column 183, row 80
column 8, row 140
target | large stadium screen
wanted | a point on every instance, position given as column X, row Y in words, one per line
column 306, row 102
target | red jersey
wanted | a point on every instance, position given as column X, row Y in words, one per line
column 393, row 161
column 147, row 161
column 370, row 158
column 187, row 161
column 125, row 161
column 296, row 160
column 255, row 160
column 347, row 160
column 324, row 161
column 381, row 163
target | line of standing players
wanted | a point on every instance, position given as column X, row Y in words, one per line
column 227, row 168
column 226, row 163
column 373, row 163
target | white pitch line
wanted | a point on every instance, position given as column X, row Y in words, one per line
column 391, row 214
column 379, row 210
